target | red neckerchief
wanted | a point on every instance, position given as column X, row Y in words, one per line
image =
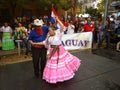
column 39, row 30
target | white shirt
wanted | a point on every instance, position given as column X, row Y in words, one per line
column 56, row 40
column 70, row 29
column 5, row 29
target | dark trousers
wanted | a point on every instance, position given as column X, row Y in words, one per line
column 39, row 58
column 25, row 42
column 107, row 37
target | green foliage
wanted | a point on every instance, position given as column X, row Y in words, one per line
column 101, row 6
column 65, row 5
column 13, row 3
column 39, row 4
column 93, row 12
column 80, row 6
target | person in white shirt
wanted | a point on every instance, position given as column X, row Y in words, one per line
column 71, row 28
column 7, row 41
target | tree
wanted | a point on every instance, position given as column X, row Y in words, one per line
column 40, row 4
column 101, row 6
column 93, row 12
column 64, row 5
column 74, row 5
column 12, row 5
column 80, row 6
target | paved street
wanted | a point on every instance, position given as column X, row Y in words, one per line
column 95, row 73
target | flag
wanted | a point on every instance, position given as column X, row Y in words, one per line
column 53, row 15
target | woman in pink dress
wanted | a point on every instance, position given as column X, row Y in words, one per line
column 61, row 65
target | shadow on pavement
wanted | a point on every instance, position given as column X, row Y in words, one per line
column 111, row 86
column 108, row 53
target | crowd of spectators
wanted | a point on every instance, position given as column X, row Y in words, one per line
column 21, row 27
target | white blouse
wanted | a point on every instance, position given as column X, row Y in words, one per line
column 5, row 29
column 55, row 40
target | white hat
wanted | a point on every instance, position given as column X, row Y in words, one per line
column 111, row 19
column 38, row 22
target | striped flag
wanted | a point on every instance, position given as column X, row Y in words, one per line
column 53, row 20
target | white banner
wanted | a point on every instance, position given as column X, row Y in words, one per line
column 77, row 41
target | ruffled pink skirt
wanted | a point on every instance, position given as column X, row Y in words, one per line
column 63, row 70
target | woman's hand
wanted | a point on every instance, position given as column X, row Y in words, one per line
column 56, row 18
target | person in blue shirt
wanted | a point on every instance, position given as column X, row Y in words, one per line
column 39, row 52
